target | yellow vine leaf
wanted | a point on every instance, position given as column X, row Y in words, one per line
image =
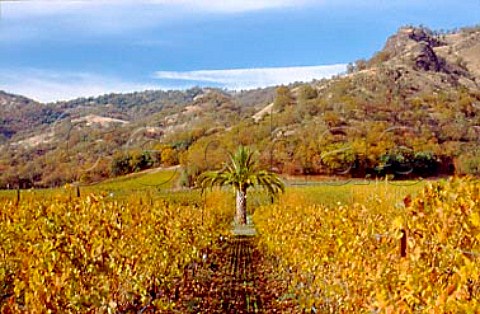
column 475, row 219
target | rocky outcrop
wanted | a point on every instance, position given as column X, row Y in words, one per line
column 425, row 59
column 407, row 37
column 417, row 48
column 423, row 35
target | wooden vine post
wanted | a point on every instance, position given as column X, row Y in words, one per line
column 403, row 243
column 18, row 197
column 407, row 201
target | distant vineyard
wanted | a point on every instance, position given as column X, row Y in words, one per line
column 419, row 256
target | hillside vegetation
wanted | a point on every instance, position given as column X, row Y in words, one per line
column 412, row 110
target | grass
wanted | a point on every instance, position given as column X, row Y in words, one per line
column 159, row 179
column 159, row 185
column 151, row 184
column 330, row 194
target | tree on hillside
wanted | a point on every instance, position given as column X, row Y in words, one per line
column 242, row 172
column 283, row 98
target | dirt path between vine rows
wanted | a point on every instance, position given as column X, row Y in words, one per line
column 233, row 279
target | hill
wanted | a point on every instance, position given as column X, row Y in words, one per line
column 411, row 110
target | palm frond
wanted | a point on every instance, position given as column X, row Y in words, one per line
column 242, row 172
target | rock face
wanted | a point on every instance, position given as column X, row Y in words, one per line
column 417, row 45
column 425, row 36
column 425, row 59
column 407, row 37
column 434, row 58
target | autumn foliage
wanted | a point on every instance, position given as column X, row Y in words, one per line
column 99, row 255
column 347, row 259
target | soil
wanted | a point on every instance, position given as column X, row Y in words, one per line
column 237, row 278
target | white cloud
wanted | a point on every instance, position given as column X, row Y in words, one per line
column 23, row 9
column 40, row 18
column 50, row 18
column 49, row 86
column 29, row 9
column 255, row 77
column 233, row 6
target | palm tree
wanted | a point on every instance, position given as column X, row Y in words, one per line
column 242, row 172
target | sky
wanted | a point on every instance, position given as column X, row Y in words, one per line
column 54, row 50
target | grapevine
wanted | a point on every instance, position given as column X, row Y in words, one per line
column 98, row 254
column 346, row 258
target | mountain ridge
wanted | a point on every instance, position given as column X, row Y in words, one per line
column 420, row 79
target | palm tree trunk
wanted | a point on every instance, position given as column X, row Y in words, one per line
column 241, row 207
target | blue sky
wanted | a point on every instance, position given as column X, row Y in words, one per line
column 52, row 50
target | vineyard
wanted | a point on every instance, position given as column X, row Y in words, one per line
column 94, row 254
column 375, row 248
column 420, row 256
